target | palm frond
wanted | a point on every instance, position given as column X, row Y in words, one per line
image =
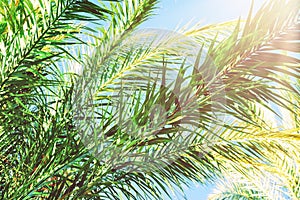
column 145, row 113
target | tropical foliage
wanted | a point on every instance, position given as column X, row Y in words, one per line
column 92, row 107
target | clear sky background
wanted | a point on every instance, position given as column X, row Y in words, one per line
column 174, row 13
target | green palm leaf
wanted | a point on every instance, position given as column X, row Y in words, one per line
column 141, row 116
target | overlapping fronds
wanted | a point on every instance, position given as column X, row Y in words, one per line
column 36, row 131
column 152, row 114
column 277, row 178
column 257, row 54
column 149, row 110
column 34, row 36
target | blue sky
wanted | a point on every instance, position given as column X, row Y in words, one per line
column 173, row 13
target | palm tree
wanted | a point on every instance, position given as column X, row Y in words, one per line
column 109, row 111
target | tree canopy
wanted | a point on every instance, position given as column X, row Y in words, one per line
column 92, row 107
